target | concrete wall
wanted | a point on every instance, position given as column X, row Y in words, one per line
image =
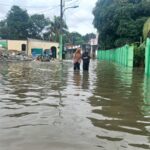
column 32, row 43
column 16, row 44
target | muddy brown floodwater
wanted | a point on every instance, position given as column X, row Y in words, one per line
column 48, row 106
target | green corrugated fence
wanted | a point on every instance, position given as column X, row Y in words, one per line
column 147, row 57
column 122, row 55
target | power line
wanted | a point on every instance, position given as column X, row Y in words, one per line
column 49, row 9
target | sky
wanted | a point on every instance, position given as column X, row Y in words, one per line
column 78, row 19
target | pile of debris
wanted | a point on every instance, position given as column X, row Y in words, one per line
column 13, row 55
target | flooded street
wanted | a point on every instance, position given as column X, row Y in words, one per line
column 48, row 106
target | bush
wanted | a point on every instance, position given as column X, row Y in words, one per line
column 139, row 55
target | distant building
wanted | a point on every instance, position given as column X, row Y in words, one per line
column 31, row 47
column 90, row 47
column 94, row 46
column 18, row 45
column 70, row 49
column 38, row 46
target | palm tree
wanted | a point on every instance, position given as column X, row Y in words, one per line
column 54, row 29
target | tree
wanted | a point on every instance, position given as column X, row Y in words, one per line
column 17, row 23
column 53, row 30
column 88, row 36
column 120, row 22
column 37, row 23
column 3, row 29
column 76, row 38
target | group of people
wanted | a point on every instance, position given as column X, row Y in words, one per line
column 78, row 57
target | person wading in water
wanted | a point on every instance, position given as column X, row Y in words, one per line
column 86, row 60
column 77, row 59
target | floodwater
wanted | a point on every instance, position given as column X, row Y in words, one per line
column 48, row 106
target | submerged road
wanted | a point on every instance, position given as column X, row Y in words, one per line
column 48, row 106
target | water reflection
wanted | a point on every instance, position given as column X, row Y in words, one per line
column 81, row 79
column 3, row 69
column 116, row 102
column 85, row 80
column 146, row 107
column 77, row 78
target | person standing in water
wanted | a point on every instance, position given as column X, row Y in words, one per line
column 77, row 59
column 86, row 60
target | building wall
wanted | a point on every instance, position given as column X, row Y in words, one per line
column 16, row 44
column 32, row 43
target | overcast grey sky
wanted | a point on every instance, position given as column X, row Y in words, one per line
column 79, row 19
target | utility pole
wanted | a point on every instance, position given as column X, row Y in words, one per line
column 61, row 34
column 62, row 10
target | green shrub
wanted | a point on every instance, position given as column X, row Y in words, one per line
column 139, row 55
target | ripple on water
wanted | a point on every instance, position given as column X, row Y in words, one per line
column 105, row 108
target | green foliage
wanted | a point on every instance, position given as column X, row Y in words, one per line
column 37, row 24
column 76, row 38
column 139, row 55
column 17, row 23
column 88, row 36
column 3, row 29
column 120, row 22
column 54, row 30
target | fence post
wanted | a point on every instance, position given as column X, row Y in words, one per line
column 147, row 57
